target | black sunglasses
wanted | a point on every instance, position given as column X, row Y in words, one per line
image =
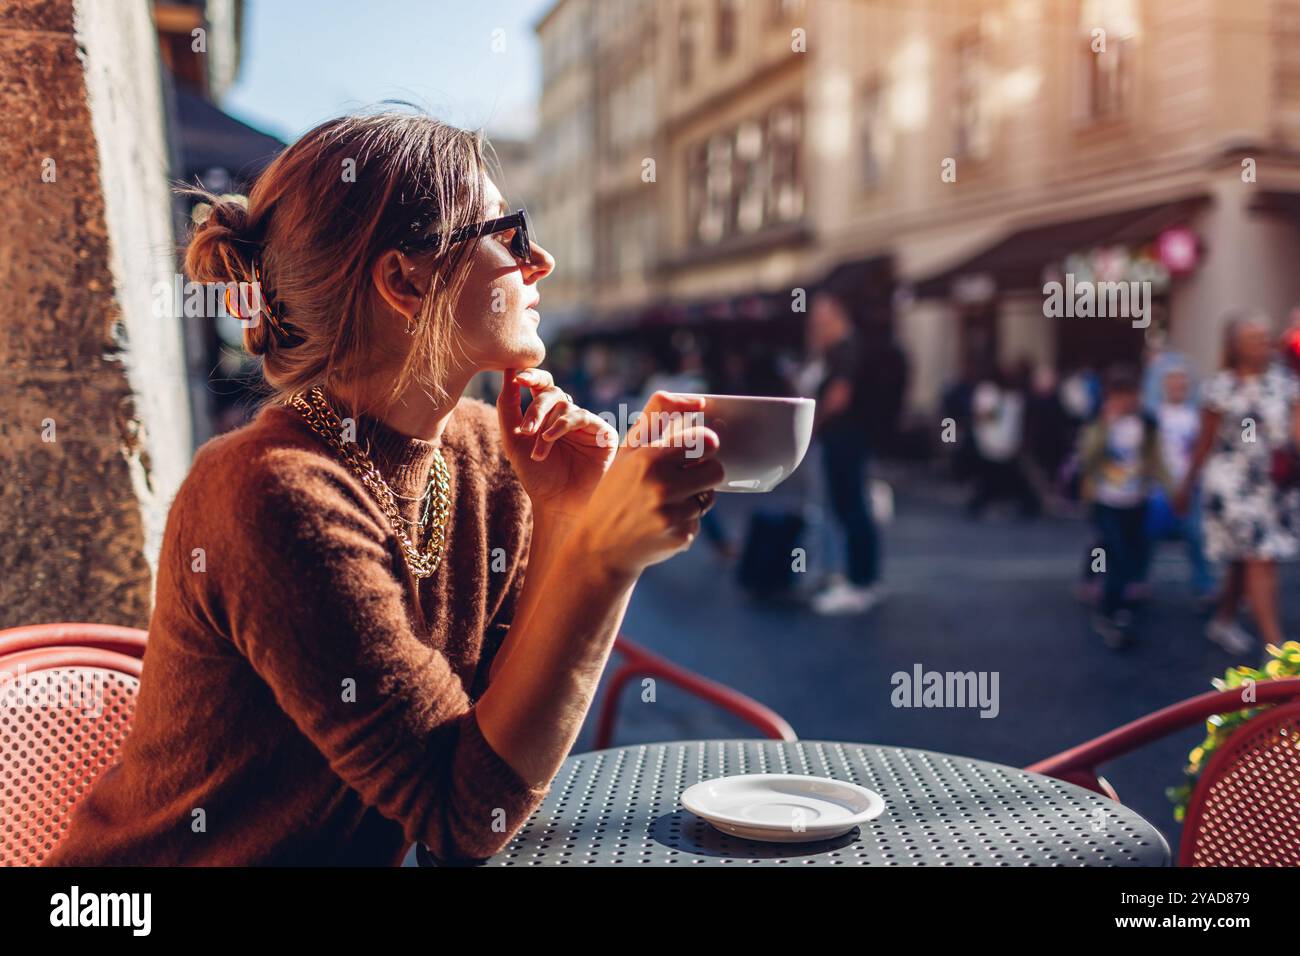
column 521, row 247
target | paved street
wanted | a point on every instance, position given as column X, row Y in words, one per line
column 993, row 596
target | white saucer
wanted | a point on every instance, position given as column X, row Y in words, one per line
column 782, row 807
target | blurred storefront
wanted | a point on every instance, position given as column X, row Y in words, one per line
column 997, row 301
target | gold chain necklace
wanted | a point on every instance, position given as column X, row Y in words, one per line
column 325, row 422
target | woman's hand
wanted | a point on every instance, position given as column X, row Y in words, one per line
column 559, row 450
column 648, row 507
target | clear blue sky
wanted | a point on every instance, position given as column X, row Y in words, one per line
column 307, row 60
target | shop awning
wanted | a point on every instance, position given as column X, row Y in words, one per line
column 1017, row 261
column 211, row 139
column 1284, row 203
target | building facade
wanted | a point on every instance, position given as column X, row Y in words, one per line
column 564, row 210
column 945, row 160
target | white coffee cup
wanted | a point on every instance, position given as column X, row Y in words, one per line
column 761, row 440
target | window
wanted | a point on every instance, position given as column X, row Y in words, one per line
column 627, row 111
column 752, row 177
column 781, row 11
column 697, row 173
column 726, row 27
column 871, row 133
column 785, row 197
column 686, row 48
column 1286, row 50
column 717, row 219
column 746, row 178
column 971, row 127
column 1108, row 37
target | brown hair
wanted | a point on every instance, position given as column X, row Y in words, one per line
column 315, row 222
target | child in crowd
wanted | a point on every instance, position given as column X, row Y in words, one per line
column 1121, row 462
column 1180, row 425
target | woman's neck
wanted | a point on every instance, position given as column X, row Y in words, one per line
column 413, row 413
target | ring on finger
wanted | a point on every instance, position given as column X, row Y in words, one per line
column 704, row 499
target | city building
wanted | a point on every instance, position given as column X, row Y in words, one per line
column 940, row 162
column 564, row 211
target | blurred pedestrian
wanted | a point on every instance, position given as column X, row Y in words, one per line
column 1049, row 430
column 841, row 425
column 955, row 406
column 1159, row 360
column 998, row 422
column 1250, row 426
column 1120, row 460
column 1179, row 423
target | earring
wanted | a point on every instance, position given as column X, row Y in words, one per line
column 410, row 326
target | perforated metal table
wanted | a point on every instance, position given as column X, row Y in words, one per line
column 621, row 807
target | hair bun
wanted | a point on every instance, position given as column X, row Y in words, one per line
column 221, row 248
column 229, row 212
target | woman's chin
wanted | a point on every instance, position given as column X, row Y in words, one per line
column 526, row 353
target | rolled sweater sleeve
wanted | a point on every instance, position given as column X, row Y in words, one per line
column 306, row 586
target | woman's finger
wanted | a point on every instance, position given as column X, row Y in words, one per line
column 535, row 378
column 669, row 407
column 686, row 447
column 578, row 426
column 509, row 411
column 679, row 513
column 576, row 419
column 542, row 410
column 681, row 483
column 557, row 406
column 562, row 414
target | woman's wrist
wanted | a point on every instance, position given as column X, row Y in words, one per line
column 566, row 538
column 554, row 517
column 582, row 556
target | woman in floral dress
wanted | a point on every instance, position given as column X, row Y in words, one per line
column 1250, row 410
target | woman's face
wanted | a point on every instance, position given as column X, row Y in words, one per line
column 496, row 314
column 1254, row 345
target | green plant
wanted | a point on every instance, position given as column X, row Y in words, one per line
column 1285, row 663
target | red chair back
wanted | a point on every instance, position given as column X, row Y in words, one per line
column 108, row 637
column 1245, row 810
column 640, row 663
column 65, row 710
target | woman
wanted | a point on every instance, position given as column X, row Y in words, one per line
column 1250, row 411
column 383, row 609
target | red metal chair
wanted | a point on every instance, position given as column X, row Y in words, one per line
column 108, row 637
column 639, row 662
column 84, row 679
column 1245, row 808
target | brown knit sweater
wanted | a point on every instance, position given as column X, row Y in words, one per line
column 305, row 699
